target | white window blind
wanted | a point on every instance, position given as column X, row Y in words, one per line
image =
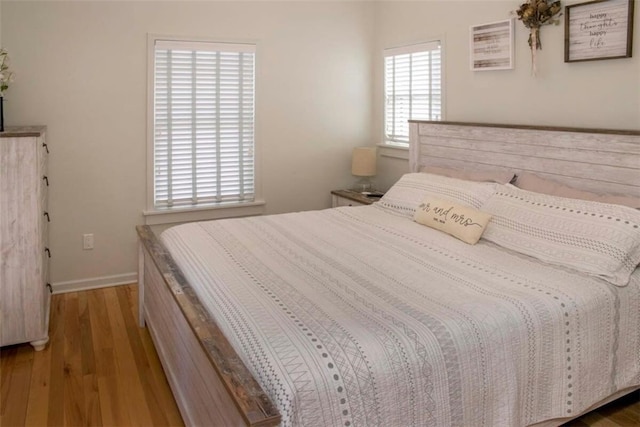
column 203, row 123
column 412, row 88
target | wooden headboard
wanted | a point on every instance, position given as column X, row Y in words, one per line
column 600, row 160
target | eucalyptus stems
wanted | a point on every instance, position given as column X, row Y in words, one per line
column 6, row 76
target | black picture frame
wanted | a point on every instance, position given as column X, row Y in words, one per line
column 600, row 29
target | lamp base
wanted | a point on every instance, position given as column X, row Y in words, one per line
column 363, row 185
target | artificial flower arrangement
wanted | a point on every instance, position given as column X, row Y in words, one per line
column 6, row 76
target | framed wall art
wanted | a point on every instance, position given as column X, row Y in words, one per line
column 491, row 46
column 601, row 29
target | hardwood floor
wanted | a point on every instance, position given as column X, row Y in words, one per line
column 624, row 412
column 101, row 369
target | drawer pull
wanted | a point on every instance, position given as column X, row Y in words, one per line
column 47, row 215
column 48, row 252
column 46, row 147
column 46, row 179
column 50, row 288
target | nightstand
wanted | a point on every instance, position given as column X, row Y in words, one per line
column 350, row 198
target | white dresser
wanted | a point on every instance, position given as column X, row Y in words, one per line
column 24, row 253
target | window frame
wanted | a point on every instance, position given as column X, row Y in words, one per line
column 398, row 149
column 155, row 215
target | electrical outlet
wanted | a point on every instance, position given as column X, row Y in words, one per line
column 87, row 242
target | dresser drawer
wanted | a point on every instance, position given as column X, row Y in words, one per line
column 43, row 155
column 45, row 268
column 342, row 201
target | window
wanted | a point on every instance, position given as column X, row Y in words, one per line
column 203, row 124
column 412, row 88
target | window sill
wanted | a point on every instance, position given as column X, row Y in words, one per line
column 393, row 151
column 157, row 217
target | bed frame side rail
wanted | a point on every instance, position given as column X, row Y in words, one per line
column 211, row 384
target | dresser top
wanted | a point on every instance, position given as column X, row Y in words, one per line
column 22, row 131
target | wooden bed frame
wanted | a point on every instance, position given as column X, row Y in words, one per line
column 211, row 384
column 598, row 160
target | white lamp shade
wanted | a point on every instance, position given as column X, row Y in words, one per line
column 363, row 161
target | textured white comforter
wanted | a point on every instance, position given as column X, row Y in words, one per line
column 358, row 317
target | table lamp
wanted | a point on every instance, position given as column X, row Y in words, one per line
column 363, row 164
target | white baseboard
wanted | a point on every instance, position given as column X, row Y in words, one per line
column 94, row 283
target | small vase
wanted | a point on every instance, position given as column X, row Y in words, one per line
column 1, row 115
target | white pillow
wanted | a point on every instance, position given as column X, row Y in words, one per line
column 462, row 222
column 498, row 175
column 413, row 188
column 532, row 182
column 595, row 238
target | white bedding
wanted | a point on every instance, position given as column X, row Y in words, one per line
column 356, row 316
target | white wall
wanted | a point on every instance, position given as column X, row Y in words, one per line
column 596, row 94
column 81, row 69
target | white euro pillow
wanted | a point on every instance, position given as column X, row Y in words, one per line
column 599, row 239
column 411, row 189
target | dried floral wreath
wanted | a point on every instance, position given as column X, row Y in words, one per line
column 534, row 14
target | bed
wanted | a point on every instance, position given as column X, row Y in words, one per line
column 362, row 316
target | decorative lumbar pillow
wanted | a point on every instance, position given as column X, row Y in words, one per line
column 462, row 222
column 410, row 190
column 595, row 238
